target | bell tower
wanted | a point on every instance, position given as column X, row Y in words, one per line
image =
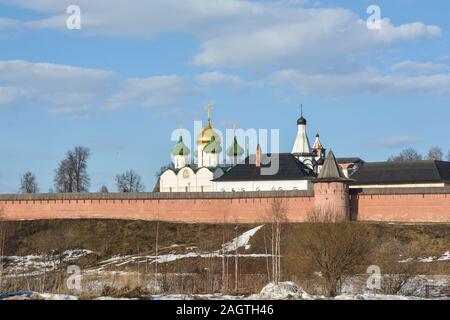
column 302, row 148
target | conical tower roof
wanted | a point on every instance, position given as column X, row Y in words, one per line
column 180, row 148
column 235, row 150
column 331, row 171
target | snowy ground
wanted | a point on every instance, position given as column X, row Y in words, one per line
column 36, row 265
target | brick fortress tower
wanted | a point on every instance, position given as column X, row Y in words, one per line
column 331, row 190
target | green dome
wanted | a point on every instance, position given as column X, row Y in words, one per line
column 213, row 146
column 235, row 150
column 180, row 148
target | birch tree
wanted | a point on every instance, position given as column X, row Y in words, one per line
column 277, row 218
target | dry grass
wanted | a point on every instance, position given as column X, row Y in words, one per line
column 196, row 276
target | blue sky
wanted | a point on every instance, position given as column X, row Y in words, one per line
column 137, row 70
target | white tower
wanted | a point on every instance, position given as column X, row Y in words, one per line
column 211, row 153
column 319, row 153
column 302, row 148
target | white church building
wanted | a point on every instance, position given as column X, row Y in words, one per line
column 294, row 171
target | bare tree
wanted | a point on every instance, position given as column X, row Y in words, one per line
column 406, row 155
column 28, row 183
column 130, row 181
column 225, row 275
column 435, row 153
column 63, row 177
column 164, row 168
column 2, row 246
column 448, row 156
column 104, row 189
column 71, row 175
column 156, row 253
column 236, row 260
column 334, row 247
column 277, row 217
column 397, row 273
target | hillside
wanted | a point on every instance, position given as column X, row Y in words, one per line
column 115, row 249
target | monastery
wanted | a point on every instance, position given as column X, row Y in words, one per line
column 239, row 190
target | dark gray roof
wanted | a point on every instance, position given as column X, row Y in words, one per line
column 331, row 169
column 402, row 172
column 290, row 168
column 349, row 160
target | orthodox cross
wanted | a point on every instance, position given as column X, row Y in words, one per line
column 209, row 108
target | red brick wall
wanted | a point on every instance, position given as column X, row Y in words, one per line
column 402, row 208
column 384, row 208
column 251, row 210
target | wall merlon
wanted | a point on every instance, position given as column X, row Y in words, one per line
column 154, row 196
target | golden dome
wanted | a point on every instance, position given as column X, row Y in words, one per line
column 206, row 135
column 208, row 132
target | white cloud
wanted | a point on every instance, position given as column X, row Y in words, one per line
column 72, row 90
column 64, row 89
column 10, row 95
column 312, row 39
column 151, row 92
column 51, row 76
column 315, row 51
column 7, row 23
column 52, row 85
column 417, row 67
column 241, row 33
column 367, row 82
column 217, row 78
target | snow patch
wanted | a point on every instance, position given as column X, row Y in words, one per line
column 282, row 291
column 35, row 265
column 444, row 257
column 241, row 241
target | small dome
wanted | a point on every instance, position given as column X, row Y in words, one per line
column 235, row 150
column 213, row 146
column 317, row 144
column 301, row 121
column 180, row 148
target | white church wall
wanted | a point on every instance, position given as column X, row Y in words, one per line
column 204, row 180
column 189, row 181
column 168, row 182
column 186, row 180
